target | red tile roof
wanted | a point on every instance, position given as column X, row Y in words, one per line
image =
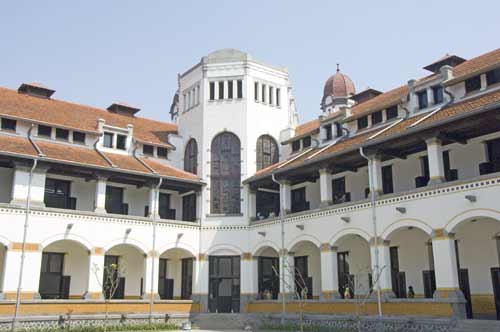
column 80, row 117
column 475, row 65
column 307, row 127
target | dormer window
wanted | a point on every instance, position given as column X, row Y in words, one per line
column 148, row 149
column 44, row 131
column 473, row 84
column 306, row 142
column 422, row 99
column 121, row 142
column 376, row 117
column 362, row 122
column 493, row 76
column 162, row 152
column 62, row 134
column 9, row 124
column 328, row 132
column 437, row 92
column 391, row 112
column 296, row 146
column 338, row 129
column 108, row 140
column 78, row 137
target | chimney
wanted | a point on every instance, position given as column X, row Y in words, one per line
column 35, row 90
column 123, row 109
column 447, row 60
column 446, row 72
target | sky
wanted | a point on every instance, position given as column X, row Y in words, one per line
column 98, row 52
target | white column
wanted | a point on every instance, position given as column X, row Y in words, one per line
column 435, row 156
column 325, row 187
column 382, row 270
column 445, row 264
column 21, row 182
column 248, row 290
column 430, row 97
column 151, row 275
column 200, row 282
column 252, row 204
column 31, row 271
column 376, row 175
column 329, row 273
column 153, row 202
column 286, row 196
column 96, row 274
column 199, row 204
column 287, row 274
column 100, row 195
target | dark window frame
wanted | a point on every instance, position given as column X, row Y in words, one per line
column 211, row 90
column 9, row 124
column 121, row 142
column 108, row 135
column 296, row 145
column 44, row 131
column 191, row 157
column 437, row 94
column 362, row 122
column 387, row 180
column 391, row 112
column 329, row 132
column 306, row 142
column 239, row 89
column 220, row 93
column 376, row 117
column 161, row 152
column 267, row 152
column 62, row 134
column 473, row 84
column 230, row 89
column 148, row 150
column 278, row 97
column 493, row 77
column 422, row 99
column 79, row 137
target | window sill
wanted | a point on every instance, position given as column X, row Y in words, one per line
column 215, row 215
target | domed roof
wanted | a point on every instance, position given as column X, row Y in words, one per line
column 339, row 85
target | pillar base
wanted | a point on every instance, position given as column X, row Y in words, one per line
column 436, row 180
column 22, row 203
column 330, row 295
column 100, row 210
column 449, row 293
column 245, row 299
column 288, row 296
column 25, row 296
column 325, row 204
column 93, row 296
column 202, row 299
column 148, row 296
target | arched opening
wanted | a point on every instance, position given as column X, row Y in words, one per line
column 224, row 281
column 411, row 263
column 353, row 266
column 477, row 249
column 307, row 268
column 127, row 263
column 268, row 270
column 191, row 157
column 225, row 174
column 175, row 274
column 267, row 152
column 64, row 271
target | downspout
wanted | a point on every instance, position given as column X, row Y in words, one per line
column 25, row 231
column 134, row 153
column 103, row 155
column 153, row 258
column 374, row 222
column 282, row 256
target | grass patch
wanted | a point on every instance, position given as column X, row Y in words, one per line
column 110, row 328
column 293, row 327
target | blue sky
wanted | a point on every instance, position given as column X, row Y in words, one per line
column 97, row 52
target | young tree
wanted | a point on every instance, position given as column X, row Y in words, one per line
column 110, row 283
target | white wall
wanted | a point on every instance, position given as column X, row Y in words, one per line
column 132, row 263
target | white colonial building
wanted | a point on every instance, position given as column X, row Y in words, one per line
column 234, row 206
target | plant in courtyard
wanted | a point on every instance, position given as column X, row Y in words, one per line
column 110, row 283
column 299, row 287
column 362, row 292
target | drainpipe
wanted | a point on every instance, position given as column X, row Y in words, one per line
column 151, row 300
column 281, row 219
column 374, row 222
column 23, row 249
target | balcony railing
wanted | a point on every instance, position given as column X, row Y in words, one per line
column 60, row 202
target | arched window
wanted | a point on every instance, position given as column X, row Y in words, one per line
column 267, row 151
column 190, row 157
column 225, row 174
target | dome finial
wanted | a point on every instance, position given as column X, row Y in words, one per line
column 338, row 66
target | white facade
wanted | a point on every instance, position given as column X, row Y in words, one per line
column 422, row 223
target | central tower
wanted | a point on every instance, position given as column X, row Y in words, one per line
column 230, row 109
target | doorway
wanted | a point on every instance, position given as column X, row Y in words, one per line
column 224, row 284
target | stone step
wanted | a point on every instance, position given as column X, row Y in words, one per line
column 476, row 325
column 220, row 321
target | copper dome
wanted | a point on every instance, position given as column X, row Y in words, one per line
column 339, row 85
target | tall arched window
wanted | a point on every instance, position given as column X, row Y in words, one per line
column 190, row 157
column 225, row 175
column 267, row 151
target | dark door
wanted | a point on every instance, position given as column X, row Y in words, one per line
column 268, row 282
column 224, row 283
column 495, row 279
column 302, row 279
column 268, row 204
column 189, row 207
column 299, row 202
column 51, row 276
column 429, row 283
column 112, row 282
column 345, row 279
column 338, row 191
column 494, row 154
column 387, row 183
column 463, row 279
column 165, row 285
column 57, row 194
column 398, row 278
column 187, row 278
column 114, row 200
